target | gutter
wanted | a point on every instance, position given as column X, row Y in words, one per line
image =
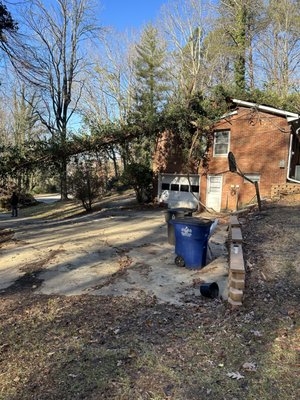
column 289, row 159
column 289, row 116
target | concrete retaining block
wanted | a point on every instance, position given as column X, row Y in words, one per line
column 234, row 222
column 236, row 235
column 236, row 294
column 236, row 258
column 233, row 303
column 236, row 279
column 237, row 283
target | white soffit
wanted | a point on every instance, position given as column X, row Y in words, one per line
column 289, row 115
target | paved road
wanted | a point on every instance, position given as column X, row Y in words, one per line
column 48, row 197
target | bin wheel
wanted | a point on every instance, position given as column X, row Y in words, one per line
column 179, row 261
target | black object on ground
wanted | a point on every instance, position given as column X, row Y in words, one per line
column 179, row 261
column 210, row 290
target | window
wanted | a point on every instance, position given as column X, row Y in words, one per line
column 195, row 188
column 184, row 188
column 174, row 187
column 253, row 177
column 221, row 143
column 165, row 186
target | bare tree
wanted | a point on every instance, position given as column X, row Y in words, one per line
column 278, row 47
column 110, row 89
column 54, row 62
column 109, row 97
column 25, row 122
column 187, row 23
column 5, row 124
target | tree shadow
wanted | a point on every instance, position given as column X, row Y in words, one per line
column 86, row 347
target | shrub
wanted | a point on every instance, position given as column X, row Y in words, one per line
column 86, row 185
column 116, row 184
column 140, row 178
column 25, row 200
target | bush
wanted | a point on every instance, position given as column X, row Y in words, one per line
column 86, row 186
column 116, row 184
column 25, row 200
column 140, row 178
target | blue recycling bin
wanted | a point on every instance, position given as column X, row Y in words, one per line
column 191, row 241
column 174, row 213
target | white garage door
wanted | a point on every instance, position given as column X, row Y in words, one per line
column 179, row 190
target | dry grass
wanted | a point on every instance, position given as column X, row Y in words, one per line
column 53, row 347
column 70, row 208
column 57, row 210
column 103, row 348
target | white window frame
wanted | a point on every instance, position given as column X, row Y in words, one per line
column 255, row 177
column 228, row 144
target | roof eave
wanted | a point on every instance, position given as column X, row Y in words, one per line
column 289, row 115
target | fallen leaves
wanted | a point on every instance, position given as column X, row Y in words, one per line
column 256, row 333
column 251, row 367
column 6, row 235
column 235, row 375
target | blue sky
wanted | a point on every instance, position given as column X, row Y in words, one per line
column 119, row 14
column 129, row 14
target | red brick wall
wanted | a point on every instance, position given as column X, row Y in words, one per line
column 168, row 155
column 259, row 141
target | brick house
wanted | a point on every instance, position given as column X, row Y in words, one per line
column 266, row 145
column 265, row 142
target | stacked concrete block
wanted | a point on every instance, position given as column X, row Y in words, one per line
column 234, row 222
column 236, row 281
column 285, row 188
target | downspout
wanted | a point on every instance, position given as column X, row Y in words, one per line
column 289, row 159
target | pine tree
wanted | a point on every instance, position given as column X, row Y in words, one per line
column 151, row 89
column 7, row 24
column 151, row 76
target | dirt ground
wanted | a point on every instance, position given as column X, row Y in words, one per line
column 83, row 346
column 112, row 252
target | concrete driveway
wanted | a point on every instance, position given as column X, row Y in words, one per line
column 113, row 252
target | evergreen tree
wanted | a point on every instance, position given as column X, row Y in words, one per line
column 151, row 77
column 7, row 24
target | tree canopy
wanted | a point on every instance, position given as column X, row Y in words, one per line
column 81, row 88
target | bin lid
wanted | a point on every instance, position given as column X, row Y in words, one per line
column 179, row 209
column 192, row 221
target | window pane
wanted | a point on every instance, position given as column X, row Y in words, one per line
column 221, row 143
column 221, row 149
column 195, row 188
column 184, row 188
column 174, row 187
column 165, row 186
column 222, row 137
